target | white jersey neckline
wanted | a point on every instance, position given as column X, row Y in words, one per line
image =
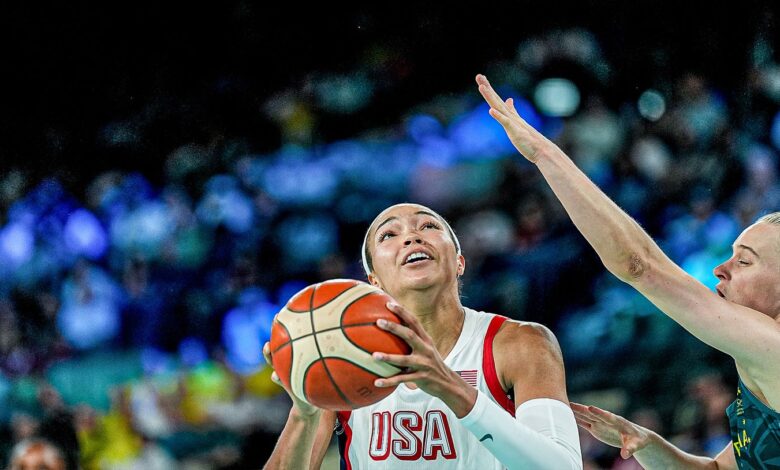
column 464, row 338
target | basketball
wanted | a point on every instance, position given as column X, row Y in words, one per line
column 322, row 341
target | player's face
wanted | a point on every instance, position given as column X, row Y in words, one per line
column 411, row 248
column 751, row 277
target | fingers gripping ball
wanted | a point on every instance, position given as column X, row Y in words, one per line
column 322, row 340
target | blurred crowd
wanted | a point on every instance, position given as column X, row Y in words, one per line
column 140, row 307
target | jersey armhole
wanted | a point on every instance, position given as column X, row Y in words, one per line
column 489, row 366
column 344, row 439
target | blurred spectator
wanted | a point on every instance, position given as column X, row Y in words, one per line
column 52, row 446
column 144, row 305
column 532, row 221
column 37, row 454
column 702, row 427
column 90, row 311
column 703, row 226
column 761, row 193
column 246, row 328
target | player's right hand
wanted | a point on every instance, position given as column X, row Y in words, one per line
column 302, row 407
column 612, row 429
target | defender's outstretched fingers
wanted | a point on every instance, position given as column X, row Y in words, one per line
column 510, row 103
column 506, row 107
column 493, row 100
column 577, row 408
column 581, row 420
column 500, row 117
column 583, row 410
column 584, row 424
column 582, row 416
column 501, row 106
column 490, row 95
column 604, row 416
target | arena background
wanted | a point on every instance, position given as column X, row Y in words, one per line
column 173, row 173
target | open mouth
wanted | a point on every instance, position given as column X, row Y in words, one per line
column 720, row 293
column 417, row 257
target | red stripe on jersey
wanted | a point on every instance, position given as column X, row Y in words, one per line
column 489, row 366
column 343, row 417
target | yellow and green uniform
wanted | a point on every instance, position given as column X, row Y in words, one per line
column 755, row 431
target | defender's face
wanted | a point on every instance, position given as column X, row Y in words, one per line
column 411, row 248
column 751, row 277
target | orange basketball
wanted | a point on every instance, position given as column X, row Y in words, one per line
column 322, row 340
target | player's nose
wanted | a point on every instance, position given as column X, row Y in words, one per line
column 412, row 239
column 721, row 271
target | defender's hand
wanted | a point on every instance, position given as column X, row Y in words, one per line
column 612, row 429
column 528, row 141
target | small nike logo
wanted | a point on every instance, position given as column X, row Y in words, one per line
column 486, row 436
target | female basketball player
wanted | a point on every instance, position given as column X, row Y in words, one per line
column 476, row 392
column 742, row 319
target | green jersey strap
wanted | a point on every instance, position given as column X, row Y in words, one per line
column 755, row 431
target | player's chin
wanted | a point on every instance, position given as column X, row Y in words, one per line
column 420, row 280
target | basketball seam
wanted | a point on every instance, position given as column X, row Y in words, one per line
column 341, row 320
column 324, row 361
column 349, row 361
column 319, row 352
column 373, row 323
column 290, row 342
column 311, row 300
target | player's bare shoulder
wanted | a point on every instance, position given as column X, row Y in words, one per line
column 523, row 337
column 529, row 360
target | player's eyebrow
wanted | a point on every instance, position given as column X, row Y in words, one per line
column 386, row 221
column 390, row 219
column 745, row 247
column 426, row 213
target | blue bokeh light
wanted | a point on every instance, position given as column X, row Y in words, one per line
column 84, row 235
column 16, row 244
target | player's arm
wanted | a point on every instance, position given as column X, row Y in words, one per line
column 631, row 255
column 543, row 437
column 303, row 442
column 322, row 439
column 650, row 449
column 305, row 437
column 543, row 433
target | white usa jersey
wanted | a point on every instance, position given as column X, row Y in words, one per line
column 410, row 429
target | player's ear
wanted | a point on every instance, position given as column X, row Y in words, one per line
column 461, row 265
column 374, row 281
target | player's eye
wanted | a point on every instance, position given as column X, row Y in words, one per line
column 431, row 225
column 384, row 236
column 743, row 262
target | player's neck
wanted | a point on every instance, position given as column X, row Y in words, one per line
column 442, row 317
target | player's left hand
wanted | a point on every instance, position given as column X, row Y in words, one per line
column 423, row 366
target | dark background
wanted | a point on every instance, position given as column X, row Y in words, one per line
column 70, row 68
